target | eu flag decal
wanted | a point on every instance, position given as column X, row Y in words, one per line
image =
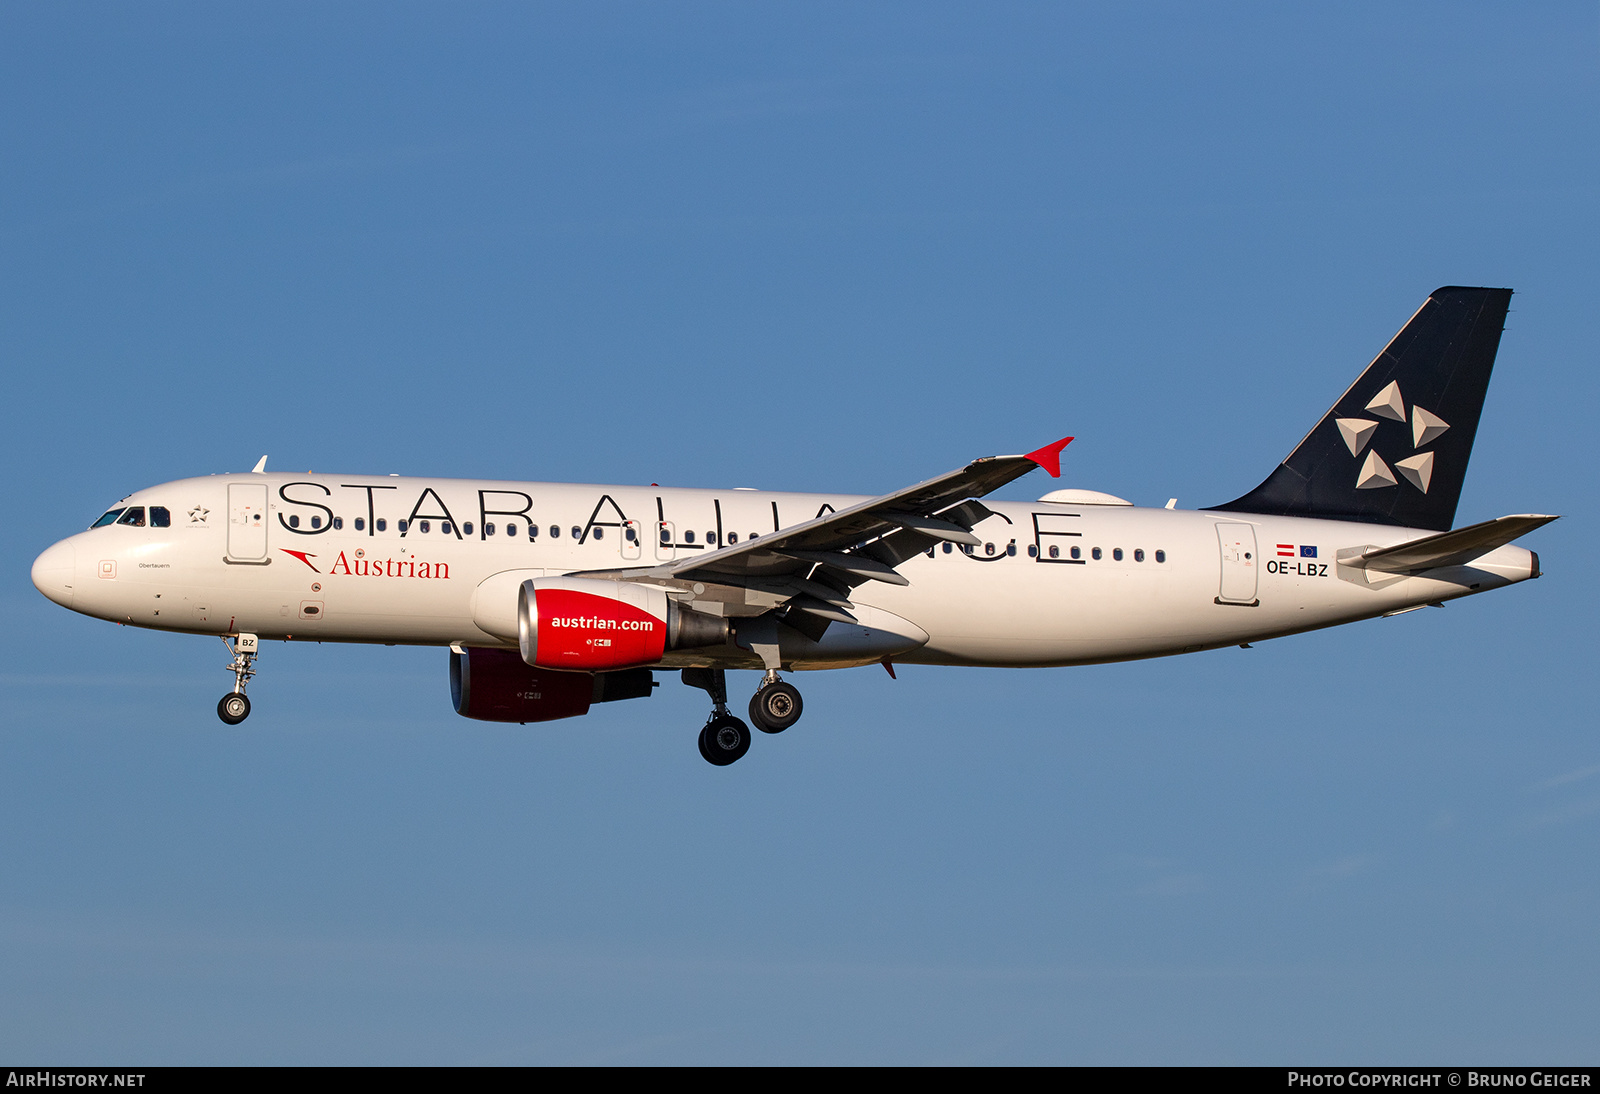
column 1308, row 552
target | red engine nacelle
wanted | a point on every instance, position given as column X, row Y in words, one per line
column 582, row 641
column 498, row 686
column 589, row 625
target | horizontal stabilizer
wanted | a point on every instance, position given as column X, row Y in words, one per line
column 1448, row 548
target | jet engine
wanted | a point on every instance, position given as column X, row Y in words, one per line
column 498, row 686
column 590, row 625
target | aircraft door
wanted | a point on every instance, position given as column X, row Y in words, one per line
column 666, row 538
column 632, row 539
column 1240, row 564
column 247, row 522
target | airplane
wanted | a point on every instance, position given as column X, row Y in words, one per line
column 553, row 597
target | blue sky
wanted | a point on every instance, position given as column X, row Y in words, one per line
column 794, row 247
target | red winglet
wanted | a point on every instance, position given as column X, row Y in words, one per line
column 1049, row 457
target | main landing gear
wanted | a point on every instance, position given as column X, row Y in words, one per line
column 234, row 707
column 724, row 738
column 774, row 708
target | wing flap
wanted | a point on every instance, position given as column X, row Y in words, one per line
column 856, row 565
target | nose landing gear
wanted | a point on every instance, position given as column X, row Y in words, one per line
column 234, row 707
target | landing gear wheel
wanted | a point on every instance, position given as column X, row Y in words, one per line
column 234, row 708
column 724, row 740
column 775, row 707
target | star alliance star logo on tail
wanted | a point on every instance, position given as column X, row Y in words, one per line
column 1426, row 427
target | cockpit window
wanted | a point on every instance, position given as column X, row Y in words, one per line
column 133, row 515
column 160, row 517
column 109, row 518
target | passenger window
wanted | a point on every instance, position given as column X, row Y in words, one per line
column 316, row 522
column 711, row 538
column 1138, row 554
column 1077, row 552
column 466, row 529
column 294, row 520
column 160, row 517
column 988, row 548
column 666, row 537
column 577, row 533
column 752, row 535
column 133, row 516
column 733, row 537
column 1011, row 550
column 444, row 527
column 1161, row 556
column 1055, row 552
column 930, row 552
column 383, row 525
column 488, row 529
column 400, row 524
column 555, row 532
column 511, row 529
column 533, row 530
column 599, row 533
column 338, row 524
column 361, row 524
column 948, row 547
column 688, row 537
column 1116, row 554
column 629, row 535
column 423, row 525
column 1033, row 552
column 1095, row 554
column 109, row 518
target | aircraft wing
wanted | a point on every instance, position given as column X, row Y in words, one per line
column 813, row 565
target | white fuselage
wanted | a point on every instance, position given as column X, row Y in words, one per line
column 323, row 558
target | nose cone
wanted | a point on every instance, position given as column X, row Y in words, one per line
column 53, row 572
